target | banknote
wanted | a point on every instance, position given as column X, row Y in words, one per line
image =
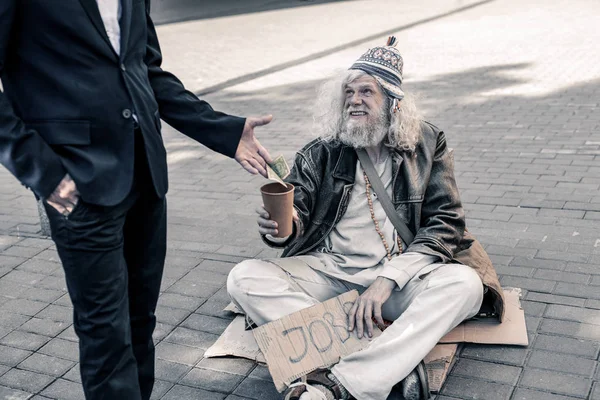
column 278, row 170
column 271, row 174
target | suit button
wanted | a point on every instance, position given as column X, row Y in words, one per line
column 127, row 113
column 123, row 68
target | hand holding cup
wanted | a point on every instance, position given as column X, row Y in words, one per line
column 266, row 226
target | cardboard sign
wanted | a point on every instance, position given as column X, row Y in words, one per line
column 438, row 362
column 312, row 338
column 489, row 331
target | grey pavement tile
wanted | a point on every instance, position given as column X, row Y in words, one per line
column 214, row 307
column 464, row 388
column 64, row 390
column 39, row 266
column 38, row 397
column 529, row 394
column 74, row 374
column 233, row 365
column 36, row 243
column 69, row 334
column 595, row 395
column 170, row 315
column 44, row 327
column 235, row 397
column 537, row 285
column 561, row 363
column 192, row 288
column 537, row 263
column 53, row 282
column 570, row 328
column 206, row 323
column 556, row 382
column 487, row 371
column 23, row 306
column 11, row 356
column 555, row 299
column 13, row 394
column 10, row 320
column 21, row 251
column 573, row 314
column 220, row 267
column 161, row 331
column 511, row 355
column 24, row 277
column 41, row 294
column 179, row 353
column 261, row 372
column 561, row 276
column 182, row 302
column 209, row 379
column 11, row 262
column 593, row 303
column 257, row 389
column 180, row 392
column 48, row 255
column 62, row 349
column 47, row 365
column 575, row 290
column 64, row 300
column 3, row 369
column 200, row 275
column 24, row 340
column 533, row 308
column 160, row 388
column 56, row 313
column 25, row 380
column 170, row 371
column 560, row 344
column 189, row 337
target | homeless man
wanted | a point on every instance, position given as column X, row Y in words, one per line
column 343, row 239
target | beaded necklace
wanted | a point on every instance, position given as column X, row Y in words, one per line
column 370, row 201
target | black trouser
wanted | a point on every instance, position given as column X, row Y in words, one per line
column 113, row 259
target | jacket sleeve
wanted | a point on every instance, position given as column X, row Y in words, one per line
column 442, row 215
column 183, row 110
column 23, row 151
column 306, row 188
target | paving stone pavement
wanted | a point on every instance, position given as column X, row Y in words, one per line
column 516, row 87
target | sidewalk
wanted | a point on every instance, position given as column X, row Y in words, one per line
column 516, row 87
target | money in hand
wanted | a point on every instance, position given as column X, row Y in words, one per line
column 278, row 170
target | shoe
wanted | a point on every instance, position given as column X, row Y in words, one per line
column 416, row 385
column 317, row 377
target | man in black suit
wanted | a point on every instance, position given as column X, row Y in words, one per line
column 80, row 114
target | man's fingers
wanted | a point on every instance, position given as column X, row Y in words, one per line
column 267, row 231
column 360, row 325
column 246, row 165
column 368, row 318
column 257, row 166
column 351, row 316
column 257, row 157
column 262, row 212
column 377, row 315
column 267, row 223
column 260, row 121
column 264, row 153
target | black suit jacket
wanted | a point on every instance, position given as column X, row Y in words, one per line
column 69, row 98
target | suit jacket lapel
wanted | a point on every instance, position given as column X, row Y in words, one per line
column 91, row 8
column 125, row 23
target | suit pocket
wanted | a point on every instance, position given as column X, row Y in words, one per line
column 63, row 132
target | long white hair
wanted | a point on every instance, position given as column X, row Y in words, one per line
column 404, row 125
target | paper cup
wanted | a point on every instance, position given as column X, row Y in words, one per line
column 279, row 203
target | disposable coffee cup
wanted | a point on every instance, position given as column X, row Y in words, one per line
column 279, row 203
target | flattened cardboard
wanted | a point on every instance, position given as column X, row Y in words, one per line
column 237, row 342
column 309, row 339
column 489, row 331
column 438, row 362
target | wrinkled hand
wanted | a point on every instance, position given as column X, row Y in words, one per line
column 250, row 153
column 368, row 305
column 65, row 197
column 267, row 226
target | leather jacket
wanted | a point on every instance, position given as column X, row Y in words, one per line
column 425, row 197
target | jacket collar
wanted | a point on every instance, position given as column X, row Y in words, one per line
column 345, row 167
column 93, row 12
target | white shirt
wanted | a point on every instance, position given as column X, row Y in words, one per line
column 355, row 253
column 110, row 11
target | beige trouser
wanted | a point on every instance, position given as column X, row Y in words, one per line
column 428, row 307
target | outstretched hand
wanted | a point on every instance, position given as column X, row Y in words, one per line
column 251, row 155
column 368, row 305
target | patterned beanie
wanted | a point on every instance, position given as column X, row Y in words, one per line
column 385, row 65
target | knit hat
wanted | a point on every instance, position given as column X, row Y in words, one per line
column 385, row 65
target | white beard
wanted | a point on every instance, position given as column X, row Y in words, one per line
column 364, row 134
